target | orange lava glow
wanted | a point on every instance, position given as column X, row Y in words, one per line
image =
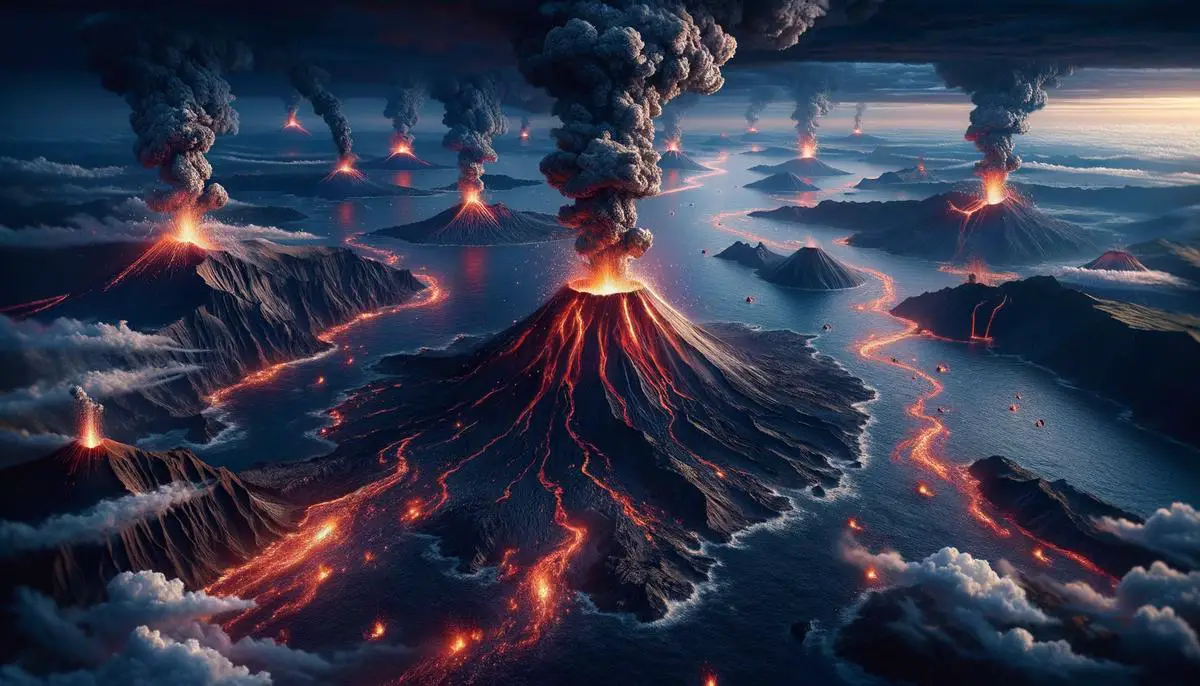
column 606, row 282
column 994, row 191
column 378, row 629
column 857, row 132
column 986, row 335
column 924, row 490
column 32, row 307
column 871, row 575
column 524, row 134
column 977, row 270
column 345, row 167
column 854, row 525
column 401, row 148
column 472, row 208
column 710, row 680
column 1040, row 556
column 187, row 231
column 751, row 129
column 292, row 123
column 90, row 435
column 808, row 149
column 673, row 145
column 694, row 181
column 187, row 234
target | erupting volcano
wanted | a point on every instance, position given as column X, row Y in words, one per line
column 591, row 447
column 474, row 222
column 674, row 158
column 345, row 169
column 1117, row 261
column 172, row 249
column 91, row 414
column 401, row 157
column 292, row 123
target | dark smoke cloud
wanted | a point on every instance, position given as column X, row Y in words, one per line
column 812, row 89
column 291, row 103
column 474, row 118
column 180, row 102
column 760, row 97
column 404, row 109
column 673, row 115
column 1004, row 94
column 859, row 110
column 310, row 82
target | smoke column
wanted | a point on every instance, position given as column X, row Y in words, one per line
column 760, row 97
column 812, row 89
column 310, row 82
column 404, row 109
column 1004, row 94
column 474, row 118
column 525, row 124
column 292, row 103
column 180, row 103
column 859, row 110
column 673, row 115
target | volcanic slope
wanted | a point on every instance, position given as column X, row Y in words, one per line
column 1140, row 357
column 812, row 269
column 783, row 182
column 676, row 159
column 755, row 256
column 593, row 446
column 804, row 167
column 479, row 224
column 220, row 521
column 1117, row 261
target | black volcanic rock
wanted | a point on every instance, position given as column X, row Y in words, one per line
column 1137, row 356
column 1176, row 257
column 812, row 269
column 805, row 167
column 1059, row 513
column 498, row 182
column 783, row 182
column 918, row 174
column 224, row 524
column 675, row 159
column 553, row 431
column 754, row 256
column 239, row 309
column 1011, row 232
column 499, row 225
column 1116, row 260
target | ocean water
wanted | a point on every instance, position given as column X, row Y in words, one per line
column 786, row 571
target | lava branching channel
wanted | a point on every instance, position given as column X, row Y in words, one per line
column 594, row 446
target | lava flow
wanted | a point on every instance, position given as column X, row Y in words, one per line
column 694, row 181
column 986, row 336
column 924, row 447
column 994, row 191
column 173, row 248
column 27, row 309
column 473, row 209
column 345, row 168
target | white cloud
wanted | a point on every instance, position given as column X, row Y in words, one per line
column 44, row 167
column 1173, row 532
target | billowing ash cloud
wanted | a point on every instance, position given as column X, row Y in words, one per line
column 673, row 115
column 760, row 97
column 173, row 83
column 859, row 110
column 96, row 524
column 1173, row 532
column 291, row 103
column 474, row 118
column 310, row 82
column 404, row 109
column 1004, row 94
column 812, row 89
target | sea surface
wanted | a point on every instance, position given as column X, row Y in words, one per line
column 786, row 571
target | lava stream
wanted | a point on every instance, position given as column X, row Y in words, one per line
column 694, row 181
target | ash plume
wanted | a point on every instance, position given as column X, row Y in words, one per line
column 859, row 110
column 310, row 82
column 474, row 118
column 404, row 109
column 180, row 103
column 760, row 97
column 1004, row 94
column 673, row 115
column 526, row 123
column 291, row 103
column 85, row 401
column 812, row 89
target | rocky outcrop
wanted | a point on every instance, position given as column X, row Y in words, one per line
column 222, row 522
column 1142, row 358
column 754, row 256
column 676, row 159
column 783, row 182
column 804, row 167
column 812, row 269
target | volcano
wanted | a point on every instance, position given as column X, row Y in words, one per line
column 917, row 174
column 783, row 182
column 400, row 162
column 498, row 182
column 812, row 269
column 677, row 159
column 1116, row 261
column 594, row 446
column 223, row 522
column 805, row 167
column 307, row 185
column 772, row 151
column 480, row 224
column 755, row 256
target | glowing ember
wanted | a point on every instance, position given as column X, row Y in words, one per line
column 401, row 148
column 751, row 129
column 170, row 249
column 871, row 574
column 323, row 573
column 994, row 189
column 292, row 123
column 542, row 589
column 345, row 167
column 673, row 145
column 808, row 149
column 90, row 435
column 378, row 629
column 924, row 490
column 1040, row 556
column 854, row 525
column 606, row 282
column 977, row 271
column 187, row 231
column 857, row 132
column 710, row 680
column 458, row 643
column 324, row 532
column 524, row 134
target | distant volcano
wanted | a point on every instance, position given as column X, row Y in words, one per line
column 481, row 225
column 804, row 167
column 861, row 138
column 915, row 174
column 677, row 159
column 1117, row 261
column 772, row 151
column 592, row 446
column 498, row 182
column 1010, row 232
column 330, row 187
column 783, row 182
column 754, row 256
column 223, row 522
column 812, row 269
column 401, row 162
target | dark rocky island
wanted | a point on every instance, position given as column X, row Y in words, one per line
column 499, row 182
column 804, row 167
column 1116, row 261
column 946, row 227
column 917, row 174
column 481, row 225
column 783, row 182
column 1139, row 357
column 679, row 160
column 753, row 256
column 812, row 269
column 230, row 311
column 211, row 520
column 620, row 494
